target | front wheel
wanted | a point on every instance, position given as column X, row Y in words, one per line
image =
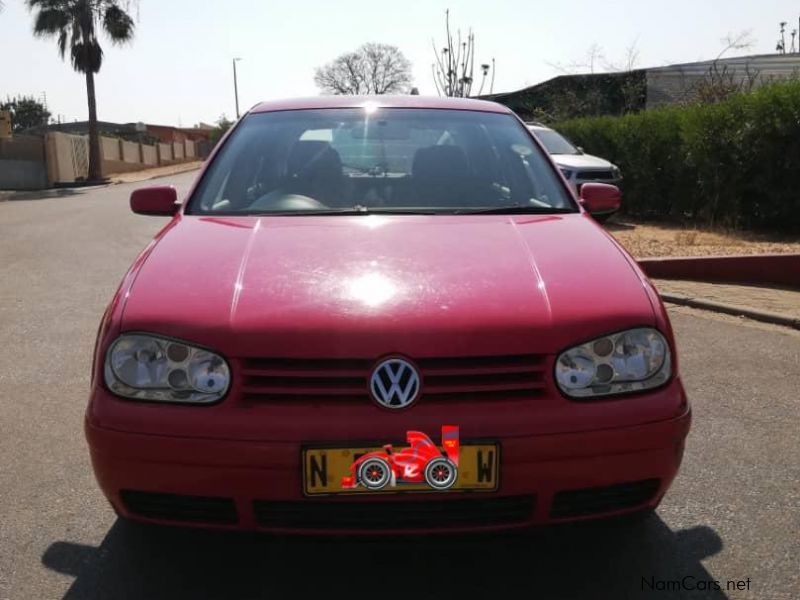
column 441, row 474
column 375, row 473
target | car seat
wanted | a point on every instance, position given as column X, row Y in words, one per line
column 314, row 169
column 442, row 177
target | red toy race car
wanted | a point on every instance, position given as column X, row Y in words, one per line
column 422, row 462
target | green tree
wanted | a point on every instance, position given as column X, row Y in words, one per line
column 26, row 112
column 223, row 124
column 76, row 24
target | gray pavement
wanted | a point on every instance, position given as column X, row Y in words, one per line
column 733, row 513
column 762, row 303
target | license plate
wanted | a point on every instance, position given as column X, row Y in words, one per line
column 326, row 470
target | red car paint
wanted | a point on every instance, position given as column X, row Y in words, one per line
column 409, row 465
column 253, row 286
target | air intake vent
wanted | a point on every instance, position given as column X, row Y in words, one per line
column 173, row 507
column 428, row 514
column 589, row 501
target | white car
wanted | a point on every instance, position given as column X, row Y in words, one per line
column 578, row 168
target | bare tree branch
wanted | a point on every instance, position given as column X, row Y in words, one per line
column 372, row 69
column 740, row 41
column 453, row 71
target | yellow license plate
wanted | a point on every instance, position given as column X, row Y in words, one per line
column 325, row 471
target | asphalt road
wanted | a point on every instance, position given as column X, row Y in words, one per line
column 733, row 513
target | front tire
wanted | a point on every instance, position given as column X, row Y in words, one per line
column 375, row 474
column 441, row 474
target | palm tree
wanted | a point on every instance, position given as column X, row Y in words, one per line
column 76, row 24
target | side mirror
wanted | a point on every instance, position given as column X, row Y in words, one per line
column 161, row 200
column 387, row 448
column 600, row 198
column 580, row 149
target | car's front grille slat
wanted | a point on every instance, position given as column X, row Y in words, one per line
column 595, row 175
column 283, row 379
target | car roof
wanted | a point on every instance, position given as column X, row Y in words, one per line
column 433, row 102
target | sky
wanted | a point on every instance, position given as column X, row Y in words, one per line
column 178, row 69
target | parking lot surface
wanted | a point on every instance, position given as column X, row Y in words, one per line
column 732, row 519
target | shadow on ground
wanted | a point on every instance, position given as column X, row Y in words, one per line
column 604, row 560
column 42, row 194
column 618, row 226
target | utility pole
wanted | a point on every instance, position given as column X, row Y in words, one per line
column 236, row 86
column 44, row 103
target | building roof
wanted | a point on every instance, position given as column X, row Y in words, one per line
column 780, row 61
column 767, row 64
column 555, row 80
column 317, row 102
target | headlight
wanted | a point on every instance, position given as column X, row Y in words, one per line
column 146, row 367
column 637, row 359
column 567, row 173
column 616, row 172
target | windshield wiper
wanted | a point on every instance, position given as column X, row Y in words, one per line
column 344, row 212
column 517, row 210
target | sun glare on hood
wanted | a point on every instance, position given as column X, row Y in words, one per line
column 371, row 289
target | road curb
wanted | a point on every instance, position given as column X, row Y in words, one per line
column 148, row 175
column 731, row 309
column 744, row 269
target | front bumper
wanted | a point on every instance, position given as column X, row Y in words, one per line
column 257, row 485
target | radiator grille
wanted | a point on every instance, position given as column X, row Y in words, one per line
column 345, row 380
column 595, row 175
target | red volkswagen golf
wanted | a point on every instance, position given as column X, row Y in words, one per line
column 348, row 270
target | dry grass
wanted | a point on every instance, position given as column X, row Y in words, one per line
column 651, row 240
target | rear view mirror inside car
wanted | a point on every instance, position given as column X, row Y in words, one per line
column 381, row 130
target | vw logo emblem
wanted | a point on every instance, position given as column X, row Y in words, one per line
column 394, row 383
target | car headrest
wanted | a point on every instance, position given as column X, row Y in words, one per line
column 439, row 164
column 312, row 160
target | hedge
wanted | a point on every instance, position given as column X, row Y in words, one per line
column 736, row 163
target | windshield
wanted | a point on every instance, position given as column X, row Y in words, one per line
column 388, row 160
column 554, row 142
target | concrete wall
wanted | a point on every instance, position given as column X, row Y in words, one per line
column 22, row 147
column 22, row 174
column 109, row 148
column 22, row 163
column 150, row 155
column 68, row 156
column 130, row 152
column 165, row 153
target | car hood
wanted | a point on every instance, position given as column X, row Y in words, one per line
column 581, row 161
column 366, row 286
